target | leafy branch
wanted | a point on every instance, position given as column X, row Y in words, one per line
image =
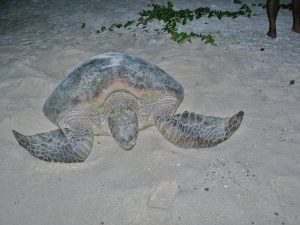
column 172, row 19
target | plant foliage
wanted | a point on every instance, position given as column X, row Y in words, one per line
column 172, row 19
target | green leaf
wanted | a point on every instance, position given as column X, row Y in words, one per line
column 170, row 5
column 102, row 29
column 116, row 25
column 129, row 23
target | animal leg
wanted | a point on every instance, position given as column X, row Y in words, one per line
column 296, row 15
column 272, row 11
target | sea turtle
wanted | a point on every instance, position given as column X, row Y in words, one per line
column 118, row 94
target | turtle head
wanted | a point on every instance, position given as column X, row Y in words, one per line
column 123, row 126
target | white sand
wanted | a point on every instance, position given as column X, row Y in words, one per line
column 253, row 178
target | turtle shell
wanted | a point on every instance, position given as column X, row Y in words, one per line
column 93, row 81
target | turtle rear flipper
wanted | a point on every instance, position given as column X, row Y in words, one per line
column 190, row 130
column 54, row 146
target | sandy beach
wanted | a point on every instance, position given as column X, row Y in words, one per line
column 252, row 178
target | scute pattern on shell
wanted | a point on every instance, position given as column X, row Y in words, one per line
column 93, row 79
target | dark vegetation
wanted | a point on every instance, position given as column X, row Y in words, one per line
column 171, row 19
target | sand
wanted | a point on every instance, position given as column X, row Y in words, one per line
column 252, row 178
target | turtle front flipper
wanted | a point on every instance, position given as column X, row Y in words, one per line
column 190, row 130
column 123, row 126
column 54, row 146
